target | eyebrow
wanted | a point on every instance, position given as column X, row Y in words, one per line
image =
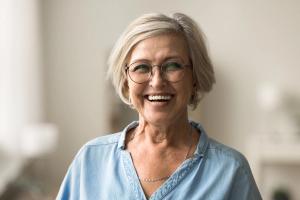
column 148, row 61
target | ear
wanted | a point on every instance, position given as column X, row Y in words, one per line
column 194, row 92
column 194, row 86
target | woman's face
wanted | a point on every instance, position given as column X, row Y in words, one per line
column 171, row 98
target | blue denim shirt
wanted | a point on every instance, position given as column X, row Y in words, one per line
column 103, row 170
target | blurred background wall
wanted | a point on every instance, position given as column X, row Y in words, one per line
column 254, row 46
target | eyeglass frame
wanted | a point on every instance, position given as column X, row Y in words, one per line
column 160, row 71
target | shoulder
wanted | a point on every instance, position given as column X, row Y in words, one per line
column 99, row 147
column 94, row 158
column 216, row 152
column 227, row 156
column 233, row 166
column 223, row 150
column 109, row 139
column 104, row 148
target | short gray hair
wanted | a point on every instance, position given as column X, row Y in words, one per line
column 153, row 24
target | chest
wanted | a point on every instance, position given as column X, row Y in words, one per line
column 119, row 180
column 123, row 183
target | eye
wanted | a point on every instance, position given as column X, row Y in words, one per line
column 140, row 68
column 172, row 66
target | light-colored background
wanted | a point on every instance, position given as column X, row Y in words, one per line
column 251, row 43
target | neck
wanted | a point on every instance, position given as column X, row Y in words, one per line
column 168, row 134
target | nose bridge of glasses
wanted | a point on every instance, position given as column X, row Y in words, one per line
column 159, row 68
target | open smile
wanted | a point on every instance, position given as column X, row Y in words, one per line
column 159, row 98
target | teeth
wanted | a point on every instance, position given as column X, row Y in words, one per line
column 159, row 97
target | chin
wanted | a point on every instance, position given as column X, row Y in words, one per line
column 162, row 117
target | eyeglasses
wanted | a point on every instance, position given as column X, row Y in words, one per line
column 141, row 71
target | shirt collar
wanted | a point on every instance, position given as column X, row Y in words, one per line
column 121, row 143
column 203, row 141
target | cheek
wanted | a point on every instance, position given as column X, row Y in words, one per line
column 186, row 91
column 135, row 92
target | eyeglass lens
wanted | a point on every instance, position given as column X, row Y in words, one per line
column 141, row 72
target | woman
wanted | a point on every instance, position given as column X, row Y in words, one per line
column 159, row 67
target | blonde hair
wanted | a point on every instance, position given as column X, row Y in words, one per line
column 150, row 25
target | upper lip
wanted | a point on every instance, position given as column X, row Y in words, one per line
column 159, row 94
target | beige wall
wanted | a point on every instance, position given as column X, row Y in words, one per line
column 251, row 42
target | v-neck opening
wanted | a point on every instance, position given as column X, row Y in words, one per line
column 176, row 177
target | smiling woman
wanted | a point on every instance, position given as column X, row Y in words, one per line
column 158, row 100
column 159, row 67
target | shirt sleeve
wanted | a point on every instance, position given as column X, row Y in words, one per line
column 244, row 186
column 70, row 187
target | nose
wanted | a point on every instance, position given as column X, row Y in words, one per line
column 157, row 79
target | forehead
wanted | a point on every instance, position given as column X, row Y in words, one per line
column 160, row 47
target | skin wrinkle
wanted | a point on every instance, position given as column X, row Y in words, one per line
column 141, row 129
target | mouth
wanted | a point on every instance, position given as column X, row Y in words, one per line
column 159, row 98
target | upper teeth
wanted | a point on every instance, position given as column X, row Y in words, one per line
column 159, row 97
